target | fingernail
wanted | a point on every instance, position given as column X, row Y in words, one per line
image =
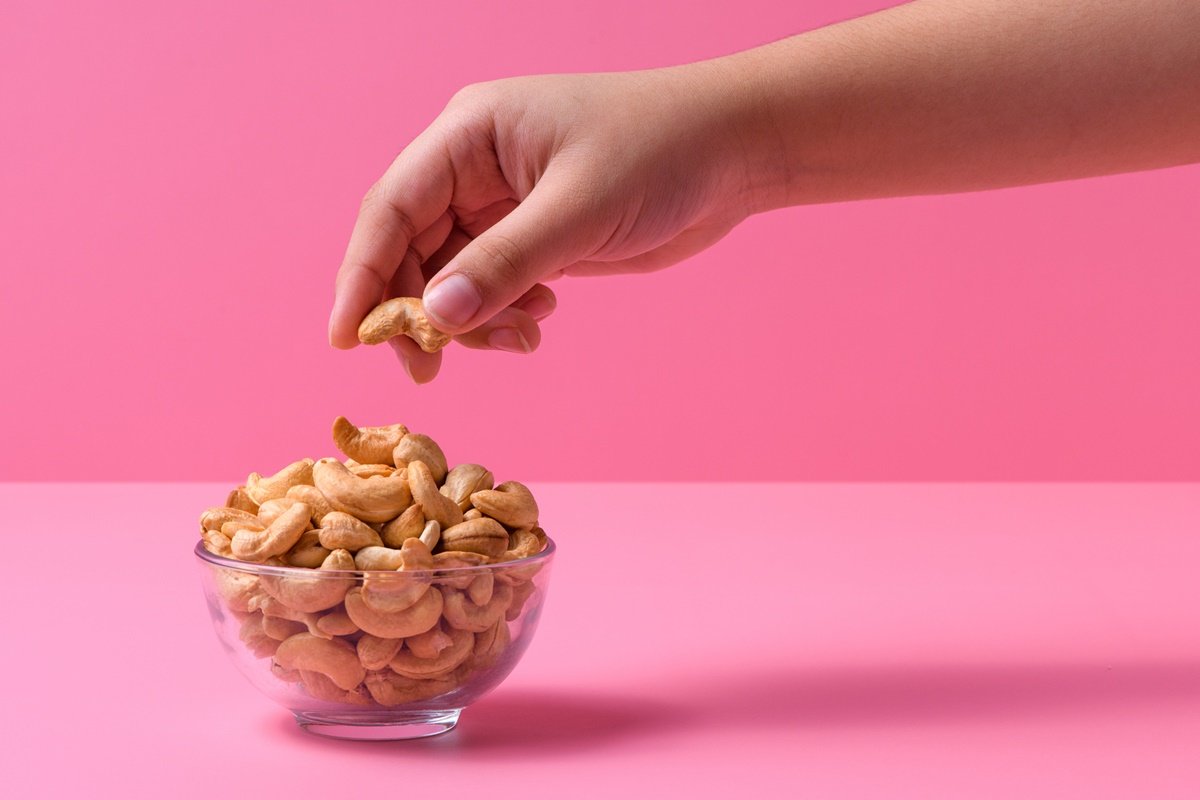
column 539, row 307
column 508, row 339
column 453, row 301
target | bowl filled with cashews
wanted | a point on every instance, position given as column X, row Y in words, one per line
column 379, row 595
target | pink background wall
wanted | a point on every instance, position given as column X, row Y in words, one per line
column 179, row 180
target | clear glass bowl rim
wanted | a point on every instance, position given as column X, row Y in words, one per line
column 306, row 572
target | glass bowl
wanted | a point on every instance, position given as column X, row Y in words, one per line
column 375, row 654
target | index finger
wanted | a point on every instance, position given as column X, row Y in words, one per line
column 413, row 194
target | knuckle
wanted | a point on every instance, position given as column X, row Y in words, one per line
column 503, row 259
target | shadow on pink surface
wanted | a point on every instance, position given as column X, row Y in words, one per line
column 553, row 722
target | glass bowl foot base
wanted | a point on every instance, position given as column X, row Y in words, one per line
column 379, row 727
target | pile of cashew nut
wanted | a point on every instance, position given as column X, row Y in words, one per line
column 383, row 617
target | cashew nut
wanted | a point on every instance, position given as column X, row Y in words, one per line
column 372, row 470
column 480, row 590
column 233, row 526
column 472, row 513
column 311, row 495
column 367, row 445
column 263, row 489
column 342, row 531
column 484, row 536
column 307, row 551
column 333, row 658
column 270, row 607
column 318, row 592
column 523, row 544
column 392, row 592
column 376, row 499
column 389, row 689
column 255, row 638
column 215, row 518
column 236, row 588
column 217, row 543
column 511, row 503
column 521, row 594
column 425, row 492
column 410, row 666
column 379, row 558
column 431, row 534
column 240, row 500
column 490, row 644
column 270, row 511
column 322, row 687
column 463, row 614
column 401, row 315
column 419, row 447
column 450, row 559
column 428, row 644
column 406, row 526
column 375, row 653
column 279, row 628
column 464, row 480
column 336, row 623
column 417, row 618
column 277, row 539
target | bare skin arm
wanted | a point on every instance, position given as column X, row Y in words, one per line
column 524, row 180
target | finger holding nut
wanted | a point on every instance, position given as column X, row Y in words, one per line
column 401, row 316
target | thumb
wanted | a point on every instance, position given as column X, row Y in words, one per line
column 548, row 230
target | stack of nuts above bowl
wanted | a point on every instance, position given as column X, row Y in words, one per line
column 360, row 628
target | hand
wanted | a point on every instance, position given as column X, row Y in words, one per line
column 524, row 180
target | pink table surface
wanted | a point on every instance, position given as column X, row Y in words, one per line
column 836, row 641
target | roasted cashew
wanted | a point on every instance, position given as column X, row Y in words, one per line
column 521, row 594
column 480, row 590
column 425, row 492
column 523, row 544
column 318, row 592
column 461, row 613
column 271, row 510
column 406, row 526
column 389, row 689
column 375, row 653
column 255, row 638
column 311, row 495
column 279, row 628
column 417, row 618
column 449, row 560
column 367, row 445
column 378, row 558
column 372, row 470
column 419, row 447
column 511, row 503
column 307, row 551
column 331, row 657
column 431, row 534
column 236, row 588
column 233, row 526
column 344, row 532
column 428, row 644
column 215, row 518
column 277, row 539
column 262, row 489
column 217, row 543
column 410, row 666
column 336, row 623
column 490, row 644
column 270, row 607
column 484, row 536
column 391, row 592
column 321, row 687
column 401, row 315
column 240, row 500
column 464, row 480
column 472, row 513
column 377, row 499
